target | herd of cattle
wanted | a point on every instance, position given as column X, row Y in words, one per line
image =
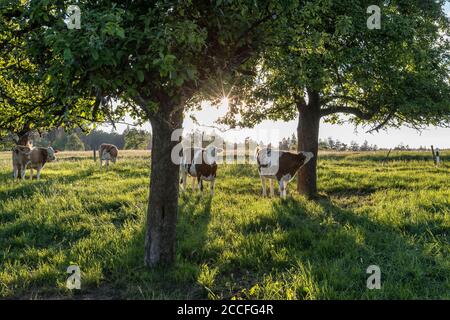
column 199, row 163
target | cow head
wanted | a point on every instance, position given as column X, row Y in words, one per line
column 51, row 154
column 305, row 156
column 211, row 153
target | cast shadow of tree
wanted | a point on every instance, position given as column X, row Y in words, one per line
column 164, row 282
column 338, row 245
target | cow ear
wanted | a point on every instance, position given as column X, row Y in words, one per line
column 56, row 150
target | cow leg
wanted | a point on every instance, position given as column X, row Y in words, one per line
column 282, row 189
column 101, row 163
column 184, row 177
column 39, row 168
column 23, row 172
column 213, row 181
column 193, row 184
column 263, row 182
column 15, row 172
column 107, row 165
column 200, row 184
column 272, row 189
column 31, row 173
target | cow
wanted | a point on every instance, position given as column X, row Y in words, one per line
column 34, row 158
column 279, row 165
column 20, row 159
column 108, row 152
column 201, row 164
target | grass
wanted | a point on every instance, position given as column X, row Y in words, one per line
column 236, row 245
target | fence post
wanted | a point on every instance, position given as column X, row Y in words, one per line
column 434, row 154
column 438, row 156
column 235, row 152
column 95, row 154
column 387, row 156
column 224, row 152
column 247, row 151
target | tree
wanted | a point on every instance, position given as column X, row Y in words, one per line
column 136, row 139
column 323, row 145
column 74, row 143
column 354, row 146
column 337, row 145
column 28, row 102
column 6, row 143
column 156, row 58
column 95, row 138
column 284, row 144
column 365, row 146
column 294, row 142
column 331, row 143
column 326, row 62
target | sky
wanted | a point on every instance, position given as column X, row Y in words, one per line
column 273, row 131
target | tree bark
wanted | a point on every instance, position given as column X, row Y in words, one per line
column 308, row 140
column 164, row 186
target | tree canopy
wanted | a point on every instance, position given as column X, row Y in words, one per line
column 28, row 102
column 397, row 75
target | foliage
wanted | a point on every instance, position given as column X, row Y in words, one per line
column 95, row 138
column 6, row 143
column 398, row 75
column 395, row 216
column 136, row 139
column 74, row 143
column 59, row 137
column 27, row 101
column 149, row 55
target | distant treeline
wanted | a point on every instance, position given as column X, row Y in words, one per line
column 336, row 145
column 77, row 140
column 138, row 139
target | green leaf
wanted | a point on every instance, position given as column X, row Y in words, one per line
column 140, row 75
column 68, row 57
column 94, row 54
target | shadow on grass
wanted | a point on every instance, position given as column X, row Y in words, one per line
column 27, row 188
column 338, row 245
column 131, row 280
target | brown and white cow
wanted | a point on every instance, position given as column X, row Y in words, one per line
column 200, row 163
column 34, row 158
column 279, row 165
column 20, row 159
column 108, row 152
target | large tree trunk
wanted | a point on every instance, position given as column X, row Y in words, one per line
column 308, row 140
column 164, row 185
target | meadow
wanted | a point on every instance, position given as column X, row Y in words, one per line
column 236, row 245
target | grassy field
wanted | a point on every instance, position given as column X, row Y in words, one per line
column 236, row 245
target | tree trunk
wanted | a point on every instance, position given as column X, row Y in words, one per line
column 164, row 185
column 308, row 140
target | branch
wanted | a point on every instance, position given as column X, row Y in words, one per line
column 349, row 110
column 382, row 124
column 255, row 25
column 109, row 122
column 341, row 97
